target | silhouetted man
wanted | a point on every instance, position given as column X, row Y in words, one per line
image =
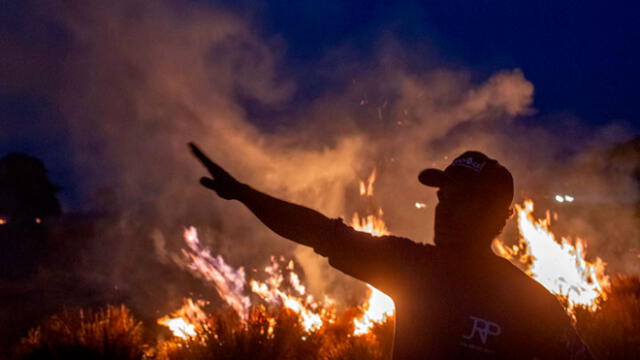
column 454, row 300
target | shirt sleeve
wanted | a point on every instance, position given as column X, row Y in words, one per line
column 560, row 339
column 378, row 260
column 576, row 349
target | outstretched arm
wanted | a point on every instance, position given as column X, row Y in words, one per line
column 376, row 260
column 294, row 222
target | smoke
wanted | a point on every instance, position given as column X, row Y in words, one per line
column 140, row 79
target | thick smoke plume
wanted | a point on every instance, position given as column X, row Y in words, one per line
column 141, row 79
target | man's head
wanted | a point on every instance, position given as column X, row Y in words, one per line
column 474, row 199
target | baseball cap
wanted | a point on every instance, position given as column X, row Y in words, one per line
column 476, row 172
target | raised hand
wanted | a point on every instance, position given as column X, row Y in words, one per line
column 221, row 182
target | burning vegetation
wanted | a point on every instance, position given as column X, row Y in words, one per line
column 277, row 318
column 560, row 266
column 272, row 315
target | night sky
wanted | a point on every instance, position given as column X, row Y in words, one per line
column 581, row 56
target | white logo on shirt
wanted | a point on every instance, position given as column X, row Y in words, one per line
column 483, row 328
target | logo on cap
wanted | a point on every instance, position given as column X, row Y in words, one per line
column 470, row 163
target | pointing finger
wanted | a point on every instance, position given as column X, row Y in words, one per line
column 208, row 183
column 213, row 168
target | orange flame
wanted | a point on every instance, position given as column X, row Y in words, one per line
column 186, row 322
column 372, row 224
column 228, row 282
column 302, row 304
column 559, row 266
column 379, row 306
column 366, row 188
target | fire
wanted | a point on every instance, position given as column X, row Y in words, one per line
column 372, row 224
column 228, row 282
column 560, row 266
column 179, row 327
column 297, row 300
column 366, row 188
column 379, row 305
column 185, row 322
column 281, row 288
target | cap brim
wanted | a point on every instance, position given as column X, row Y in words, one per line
column 435, row 178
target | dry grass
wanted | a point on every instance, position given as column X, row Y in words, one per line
column 613, row 332
column 277, row 334
column 110, row 333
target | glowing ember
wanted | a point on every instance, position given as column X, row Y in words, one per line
column 186, row 322
column 559, row 266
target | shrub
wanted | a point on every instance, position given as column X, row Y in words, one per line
column 613, row 332
column 109, row 333
column 277, row 334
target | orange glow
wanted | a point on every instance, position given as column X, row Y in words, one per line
column 560, row 266
column 187, row 321
column 229, row 282
column 272, row 291
column 379, row 306
column 372, row 224
column 366, row 187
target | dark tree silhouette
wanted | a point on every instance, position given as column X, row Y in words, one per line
column 25, row 189
column 26, row 196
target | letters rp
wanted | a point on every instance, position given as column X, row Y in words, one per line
column 483, row 328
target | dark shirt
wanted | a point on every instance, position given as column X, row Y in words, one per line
column 449, row 307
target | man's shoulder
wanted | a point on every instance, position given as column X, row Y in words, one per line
column 529, row 291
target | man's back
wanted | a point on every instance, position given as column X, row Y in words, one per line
column 450, row 306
